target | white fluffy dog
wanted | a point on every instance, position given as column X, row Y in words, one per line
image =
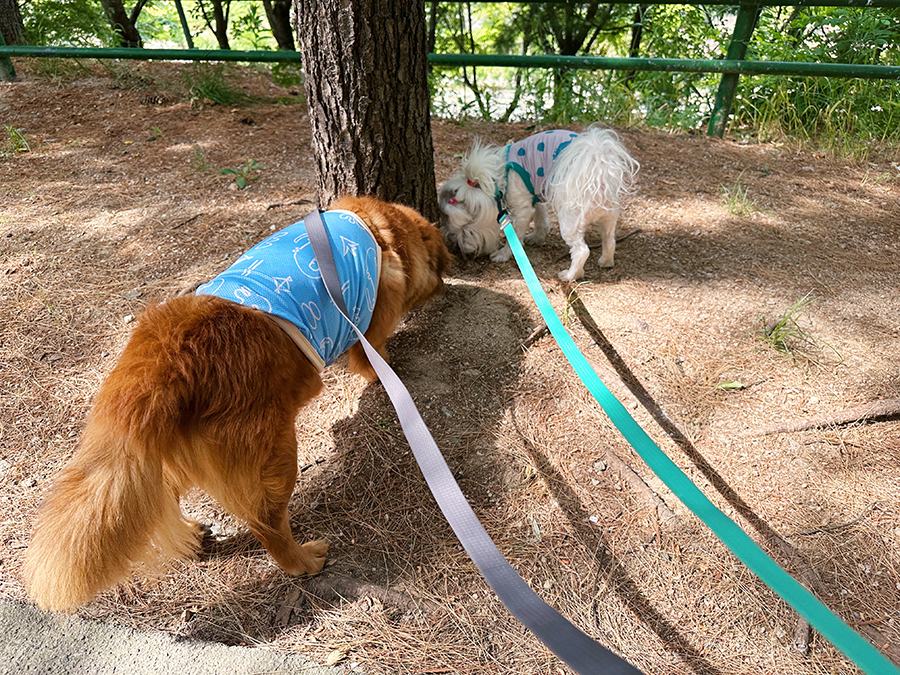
column 582, row 176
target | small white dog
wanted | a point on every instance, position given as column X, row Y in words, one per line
column 582, row 176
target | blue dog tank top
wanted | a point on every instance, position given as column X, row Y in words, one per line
column 280, row 276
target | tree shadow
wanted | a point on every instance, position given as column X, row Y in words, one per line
column 461, row 360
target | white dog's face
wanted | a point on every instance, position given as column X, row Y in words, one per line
column 468, row 217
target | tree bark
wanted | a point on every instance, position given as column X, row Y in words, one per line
column 367, row 91
column 11, row 25
column 220, row 24
column 122, row 24
column 218, row 21
column 278, row 12
column 637, row 32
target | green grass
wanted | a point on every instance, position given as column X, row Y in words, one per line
column 198, row 160
column 737, row 200
column 14, row 142
column 208, row 84
column 842, row 117
column 786, row 336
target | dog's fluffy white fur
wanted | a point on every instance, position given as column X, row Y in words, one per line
column 584, row 187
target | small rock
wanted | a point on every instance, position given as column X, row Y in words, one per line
column 128, row 318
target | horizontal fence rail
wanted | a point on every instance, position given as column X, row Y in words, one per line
column 732, row 66
column 141, row 54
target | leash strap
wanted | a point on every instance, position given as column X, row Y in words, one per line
column 575, row 648
column 851, row 643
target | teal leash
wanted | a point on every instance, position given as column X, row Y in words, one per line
column 851, row 643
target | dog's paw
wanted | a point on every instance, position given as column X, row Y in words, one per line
column 201, row 533
column 605, row 262
column 501, row 255
column 535, row 237
column 569, row 275
column 314, row 556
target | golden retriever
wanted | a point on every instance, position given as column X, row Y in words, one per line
column 205, row 394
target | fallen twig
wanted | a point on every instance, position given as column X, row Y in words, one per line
column 296, row 202
column 666, row 516
column 824, row 529
column 888, row 407
column 189, row 290
column 536, row 335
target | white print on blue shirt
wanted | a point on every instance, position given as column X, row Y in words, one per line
column 281, row 276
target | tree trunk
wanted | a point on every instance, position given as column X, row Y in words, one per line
column 637, row 32
column 279, row 14
column 220, row 24
column 11, row 25
column 122, row 25
column 365, row 63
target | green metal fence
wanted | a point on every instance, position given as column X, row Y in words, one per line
column 731, row 67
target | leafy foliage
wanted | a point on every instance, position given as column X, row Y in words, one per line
column 244, row 174
column 846, row 116
column 832, row 112
column 78, row 23
column 841, row 115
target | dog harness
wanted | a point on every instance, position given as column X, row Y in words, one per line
column 533, row 157
column 280, row 276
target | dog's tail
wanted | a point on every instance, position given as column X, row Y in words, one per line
column 593, row 171
column 113, row 506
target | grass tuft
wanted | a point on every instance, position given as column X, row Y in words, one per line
column 785, row 335
column 737, row 199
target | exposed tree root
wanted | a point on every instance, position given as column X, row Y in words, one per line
column 875, row 410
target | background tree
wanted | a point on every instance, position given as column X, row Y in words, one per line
column 12, row 27
column 278, row 12
column 570, row 30
column 215, row 15
column 367, row 92
column 12, row 31
column 124, row 24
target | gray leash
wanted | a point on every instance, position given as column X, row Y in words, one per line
column 575, row 648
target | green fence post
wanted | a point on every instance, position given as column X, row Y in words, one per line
column 184, row 24
column 744, row 24
column 7, row 72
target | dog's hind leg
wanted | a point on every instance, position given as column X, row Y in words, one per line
column 270, row 523
column 607, row 223
column 541, row 225
column 253, row 478
column 571, row 228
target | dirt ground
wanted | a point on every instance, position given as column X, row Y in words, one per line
column 119, row 202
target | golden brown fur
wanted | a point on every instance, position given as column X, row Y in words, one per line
column 205, row 394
